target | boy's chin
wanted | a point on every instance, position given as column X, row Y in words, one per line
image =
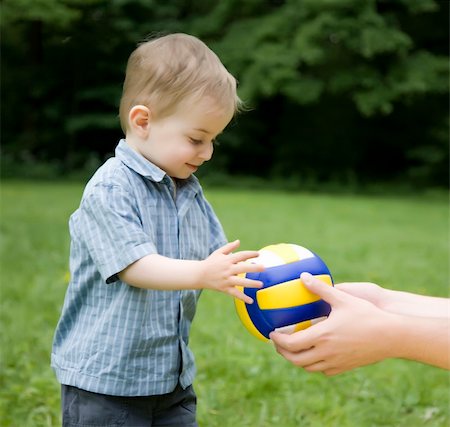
column 181, row 176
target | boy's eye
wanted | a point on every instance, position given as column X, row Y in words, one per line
column 199, row 141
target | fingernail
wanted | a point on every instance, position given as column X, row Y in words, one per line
column 306, row 278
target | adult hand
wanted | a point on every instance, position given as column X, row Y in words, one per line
column 356, row 333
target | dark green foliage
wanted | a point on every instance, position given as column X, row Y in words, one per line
column 338, row 89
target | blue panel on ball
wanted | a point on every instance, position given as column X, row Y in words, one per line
column 257, row 317
column 283, row 273
column 267, row 320
column 280, row 317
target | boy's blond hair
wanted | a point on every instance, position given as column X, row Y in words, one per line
column 165, row 71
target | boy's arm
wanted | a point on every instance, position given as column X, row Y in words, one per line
column 219, row 272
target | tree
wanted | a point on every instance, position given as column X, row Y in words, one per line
column 386, row 58
column 334, row 86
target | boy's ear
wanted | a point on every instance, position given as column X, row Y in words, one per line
column 139, row 119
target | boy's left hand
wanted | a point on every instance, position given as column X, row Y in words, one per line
column 222, row 269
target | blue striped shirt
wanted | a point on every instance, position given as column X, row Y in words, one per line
column 117, row 339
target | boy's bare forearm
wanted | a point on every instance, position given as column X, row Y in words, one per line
column 222, row 271
column 159, row 272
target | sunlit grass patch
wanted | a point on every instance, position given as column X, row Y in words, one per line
column 400, row 243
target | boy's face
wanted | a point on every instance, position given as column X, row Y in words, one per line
column 180, row 143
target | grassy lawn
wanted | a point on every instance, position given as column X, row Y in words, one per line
column 401, row 243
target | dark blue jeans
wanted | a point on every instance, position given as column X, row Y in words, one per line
column 82, row 408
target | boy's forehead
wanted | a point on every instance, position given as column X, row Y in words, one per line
column 207, row 118
column 201, row 130
column 209, row 124
column 206, row 106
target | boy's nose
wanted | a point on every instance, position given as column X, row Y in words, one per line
column 206, row 152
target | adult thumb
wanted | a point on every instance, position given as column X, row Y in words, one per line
column 328, row 293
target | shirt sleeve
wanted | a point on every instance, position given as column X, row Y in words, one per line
column 217, row 234
column 110, row 226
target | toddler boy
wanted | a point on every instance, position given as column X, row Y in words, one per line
column 144, row 243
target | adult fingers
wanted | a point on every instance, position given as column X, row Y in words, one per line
column 303, row 358
column 328, row 293
column 317, row 366
column 296, row 342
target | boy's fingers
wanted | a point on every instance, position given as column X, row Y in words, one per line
column 246, row 283
column 236, row 293
column 229, row 247
column 247, row 267
column 244, row 256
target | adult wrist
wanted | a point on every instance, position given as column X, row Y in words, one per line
column 397, row 336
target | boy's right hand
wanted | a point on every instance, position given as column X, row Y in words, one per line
column 220, row 271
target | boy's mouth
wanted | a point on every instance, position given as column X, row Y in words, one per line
column 193, row 167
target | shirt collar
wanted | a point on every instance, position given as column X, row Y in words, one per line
column 147, row 169
column 138, row 163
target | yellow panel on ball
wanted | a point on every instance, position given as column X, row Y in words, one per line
column 283, row 303
column 288, row 294
column 245, row 318
column 284, row 251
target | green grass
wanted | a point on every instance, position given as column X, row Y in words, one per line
column 401, row 243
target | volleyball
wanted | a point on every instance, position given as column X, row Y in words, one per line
column 283, row 303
